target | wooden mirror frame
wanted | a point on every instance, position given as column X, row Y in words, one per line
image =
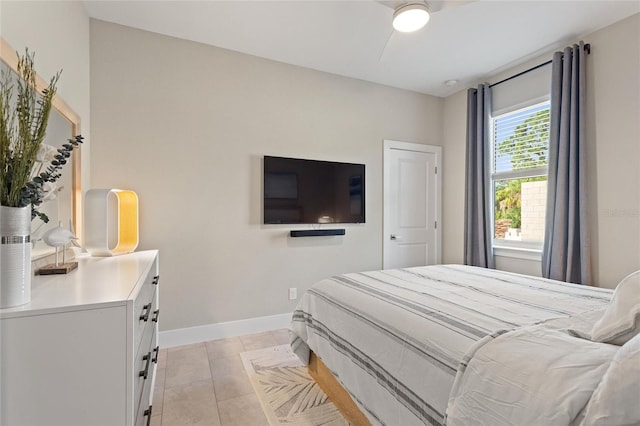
column 10, row 57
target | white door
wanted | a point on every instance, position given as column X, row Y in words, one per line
column 411, row 235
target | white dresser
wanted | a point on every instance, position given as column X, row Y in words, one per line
column 84, row 351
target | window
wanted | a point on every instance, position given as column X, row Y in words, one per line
column 519, row 176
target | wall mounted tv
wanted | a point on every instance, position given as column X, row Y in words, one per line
column 310, row 191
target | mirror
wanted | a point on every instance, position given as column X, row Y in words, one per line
column 63, row 124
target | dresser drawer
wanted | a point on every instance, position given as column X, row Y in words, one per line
column 143, row 408
column 143, row 417
column 146, row 361
column 143, row 306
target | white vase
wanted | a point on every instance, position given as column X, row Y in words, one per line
column 15, row 256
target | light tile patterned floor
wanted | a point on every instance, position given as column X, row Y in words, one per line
column 205, row 384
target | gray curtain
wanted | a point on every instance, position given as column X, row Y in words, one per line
column 566, row 254
column 477, row 220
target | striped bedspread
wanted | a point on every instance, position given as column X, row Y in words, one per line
column 395, row 338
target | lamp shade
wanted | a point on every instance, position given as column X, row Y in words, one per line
column 110, row 221
column 410, row 17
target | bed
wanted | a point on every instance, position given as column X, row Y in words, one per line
column 407, row 346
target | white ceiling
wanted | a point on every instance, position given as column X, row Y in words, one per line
column 464, row 41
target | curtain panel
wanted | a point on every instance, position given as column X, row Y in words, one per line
column 477, row 222
column 566, row 249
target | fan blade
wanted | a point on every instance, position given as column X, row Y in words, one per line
column 392, row 4
column 438, row 5
column 434, row 5
column 384, row 48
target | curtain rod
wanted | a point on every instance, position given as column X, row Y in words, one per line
column 587, row 48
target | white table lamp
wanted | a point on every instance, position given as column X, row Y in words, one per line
column 110, row 221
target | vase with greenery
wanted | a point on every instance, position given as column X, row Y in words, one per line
column 24, row 114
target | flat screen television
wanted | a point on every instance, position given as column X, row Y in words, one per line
column 311, row 191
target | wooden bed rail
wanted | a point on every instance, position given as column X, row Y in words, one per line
column 336, row 393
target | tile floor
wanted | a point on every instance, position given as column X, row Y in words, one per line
column 205, row 384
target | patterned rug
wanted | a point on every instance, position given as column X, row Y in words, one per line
column 289, row 396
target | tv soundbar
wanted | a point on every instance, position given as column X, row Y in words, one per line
column 317, row 232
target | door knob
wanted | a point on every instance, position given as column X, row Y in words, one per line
column 395, row 237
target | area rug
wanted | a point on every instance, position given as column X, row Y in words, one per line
column 288, row 395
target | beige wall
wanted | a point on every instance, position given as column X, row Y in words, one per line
column 58, row 33
column 613, row 143
column 613, row 131
column 186, row 126
column 453, row 177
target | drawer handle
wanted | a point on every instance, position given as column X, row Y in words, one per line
column 155, row 280
column 156, row 314
column 157, row 352
column 144, row 373
column 145, row 315
column 147, row 413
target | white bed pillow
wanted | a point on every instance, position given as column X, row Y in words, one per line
column 616, row 400
column 621, row 320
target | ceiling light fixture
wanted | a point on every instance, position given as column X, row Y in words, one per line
column 410, row 17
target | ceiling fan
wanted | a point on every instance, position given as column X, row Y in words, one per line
column 412, row 15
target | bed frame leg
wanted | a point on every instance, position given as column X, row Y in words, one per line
column 336, row 393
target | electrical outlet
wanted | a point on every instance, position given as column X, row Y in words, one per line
column 293, row 293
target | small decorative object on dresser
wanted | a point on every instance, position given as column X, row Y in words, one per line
column 111, row 221
column 84, row 351
column 59, row 237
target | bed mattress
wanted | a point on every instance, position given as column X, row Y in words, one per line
column 395, row 338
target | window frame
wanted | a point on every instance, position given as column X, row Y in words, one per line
column 529, row 250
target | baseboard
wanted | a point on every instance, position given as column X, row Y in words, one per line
column 222, row 330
